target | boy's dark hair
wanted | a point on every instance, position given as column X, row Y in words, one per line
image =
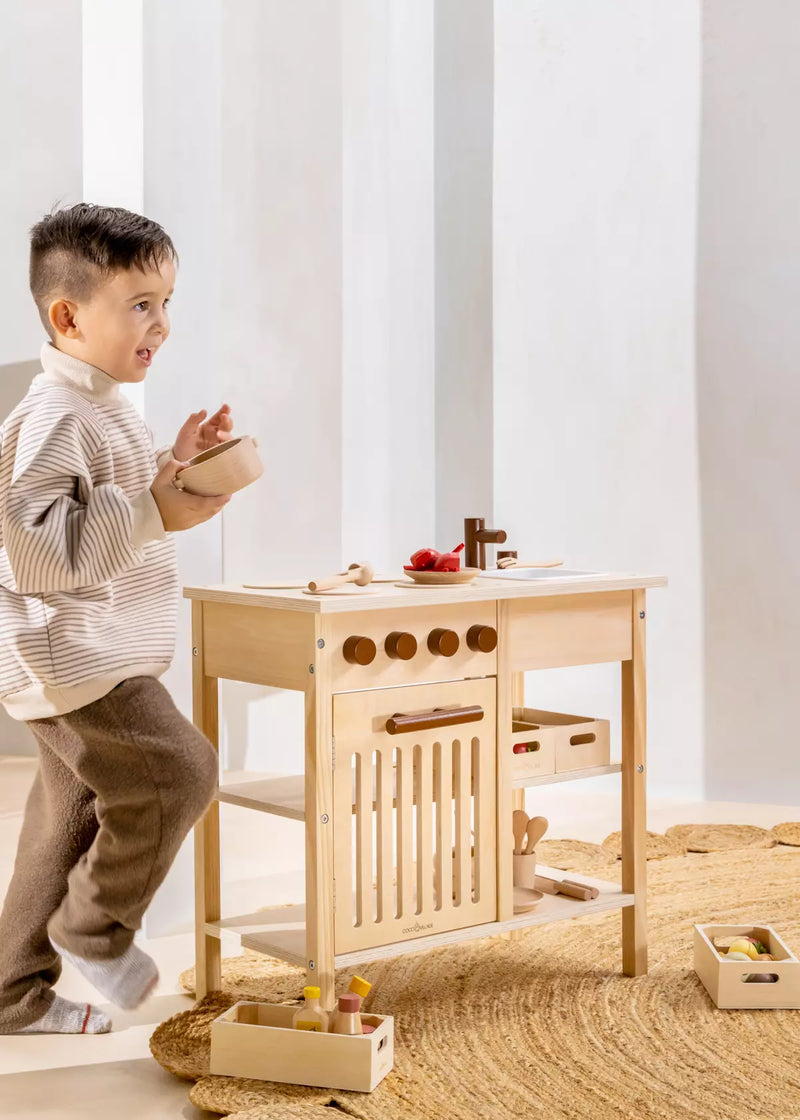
column 75, row 250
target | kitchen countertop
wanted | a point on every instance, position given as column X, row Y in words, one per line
column 383, row 596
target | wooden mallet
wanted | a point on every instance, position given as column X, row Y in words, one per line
column 360, row 574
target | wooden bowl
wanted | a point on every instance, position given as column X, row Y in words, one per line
column 437, row 579
column 223, row 469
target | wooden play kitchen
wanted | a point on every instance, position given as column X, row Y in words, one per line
column 413, row 709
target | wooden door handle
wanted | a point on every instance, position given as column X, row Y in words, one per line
column 439, row 717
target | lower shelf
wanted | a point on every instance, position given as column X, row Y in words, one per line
column 285, row 796
column 281, row 931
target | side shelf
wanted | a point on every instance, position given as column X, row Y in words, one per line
column 285, row 796
column 280, row 931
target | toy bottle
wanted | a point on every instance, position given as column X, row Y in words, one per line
column 312, row 1016
column 346, row 1020
column 361, row 988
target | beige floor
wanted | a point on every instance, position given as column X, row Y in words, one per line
column 94, row 1078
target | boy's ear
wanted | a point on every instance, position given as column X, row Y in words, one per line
column 61, row 314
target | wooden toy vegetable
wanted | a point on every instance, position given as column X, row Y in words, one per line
column 449, row 561
column 744, row 945
column 428, row 559
column 423, row 559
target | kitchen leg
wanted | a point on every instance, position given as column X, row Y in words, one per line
column 634, row 782
column 205, row 701
column 319, row 818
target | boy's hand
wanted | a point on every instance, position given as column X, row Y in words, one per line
column 180, row 510
column 198, row 434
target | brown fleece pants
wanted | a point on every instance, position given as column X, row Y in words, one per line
column 120, row 784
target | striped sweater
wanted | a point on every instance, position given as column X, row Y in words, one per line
column 88, row 579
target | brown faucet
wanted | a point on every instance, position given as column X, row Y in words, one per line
column 476, row 537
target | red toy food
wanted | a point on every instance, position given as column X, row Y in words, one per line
column 449, row 561
column 423, row 559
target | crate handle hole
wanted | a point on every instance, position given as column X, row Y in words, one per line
column 580, row 740
column 382, row 1043
column 752, row 978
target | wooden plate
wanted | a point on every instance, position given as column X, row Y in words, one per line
column 525, row 899
column 437, row 579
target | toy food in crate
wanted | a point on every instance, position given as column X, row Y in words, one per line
column 746, row 967
column 550, row 742
column 306, row 1045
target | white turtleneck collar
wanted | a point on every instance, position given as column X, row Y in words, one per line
column 62, row 369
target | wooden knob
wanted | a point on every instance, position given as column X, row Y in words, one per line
column 482, row 639
column 359, row 650
column 400, row 646
column 443, row 642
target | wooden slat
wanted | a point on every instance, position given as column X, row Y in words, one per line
column 444, row 845
column 384, row 833
column 424, row 830
column 364, row 880
column 405, row 829
column 634, row 786
column 205, row 709
column 462, row 750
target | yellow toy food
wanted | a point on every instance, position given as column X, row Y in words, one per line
column 744, row 946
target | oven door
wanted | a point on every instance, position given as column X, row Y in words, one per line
column 415, row 810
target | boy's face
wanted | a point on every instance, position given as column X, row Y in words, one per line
column 122, row 324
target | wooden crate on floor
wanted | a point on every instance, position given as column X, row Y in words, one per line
column 726, row 981
column 257, row 1040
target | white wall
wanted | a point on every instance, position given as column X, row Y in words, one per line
column 40, row 77
column 387, row 402
column 748, row 346
column 40, row 64
column 596, row 122
column 464, row 114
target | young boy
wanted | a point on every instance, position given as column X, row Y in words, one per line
column 88, row 602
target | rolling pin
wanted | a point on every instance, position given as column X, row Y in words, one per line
column 566, row 886
column 360, row 574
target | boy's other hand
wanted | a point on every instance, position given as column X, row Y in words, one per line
column 199, row 433
column 179, row 509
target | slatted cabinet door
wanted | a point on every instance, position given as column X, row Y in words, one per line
column 414, row 812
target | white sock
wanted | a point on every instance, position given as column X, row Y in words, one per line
column 127, row 980
column 65, row 1017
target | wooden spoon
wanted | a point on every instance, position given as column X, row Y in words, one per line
column 360, row 574
column 535, row 830
column 512, row 562
column 520, row 824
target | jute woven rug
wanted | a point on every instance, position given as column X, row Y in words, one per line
column 548, row 1026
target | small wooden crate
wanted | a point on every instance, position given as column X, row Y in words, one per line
column 563, row 742
column 725, row 980
column 257, row 1040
